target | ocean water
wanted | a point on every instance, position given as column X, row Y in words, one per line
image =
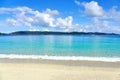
column 74, row 47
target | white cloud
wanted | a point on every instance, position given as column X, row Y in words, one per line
column 113, row 14
column 43, row 19
column 32, row 18
column 35, row 20
column 98, row 22
column 93, row 9
column 51, row 12
column 15, row 10
column 64, row 23
column 12, row 22
column 102, row 20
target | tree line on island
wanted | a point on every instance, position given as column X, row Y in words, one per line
column 55, row 33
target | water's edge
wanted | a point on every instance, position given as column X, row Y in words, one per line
column 74, row 58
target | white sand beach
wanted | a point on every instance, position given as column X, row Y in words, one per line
column 51, row 70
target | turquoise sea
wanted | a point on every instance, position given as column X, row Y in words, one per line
column 74, row 47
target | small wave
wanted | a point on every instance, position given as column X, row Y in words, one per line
column 104, row 59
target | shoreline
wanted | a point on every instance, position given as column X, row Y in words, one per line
column 84, row 63
column 66, row 58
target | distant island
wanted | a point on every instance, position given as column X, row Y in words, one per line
column 3, row 33
column 55, row 33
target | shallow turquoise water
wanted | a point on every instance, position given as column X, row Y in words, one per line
column 61, row 45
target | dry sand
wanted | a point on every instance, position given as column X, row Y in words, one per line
column 58, row 70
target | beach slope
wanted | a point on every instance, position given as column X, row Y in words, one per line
column 42, row 70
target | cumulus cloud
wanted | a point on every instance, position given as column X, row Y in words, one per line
column 64, row 23
column 33, row 18
column 101, row 20
column 29, row 17
column 50, row 19
column 93, row 9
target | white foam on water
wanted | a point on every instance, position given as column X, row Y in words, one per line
column 104, row 59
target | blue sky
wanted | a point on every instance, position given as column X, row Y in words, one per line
column 58, row 15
